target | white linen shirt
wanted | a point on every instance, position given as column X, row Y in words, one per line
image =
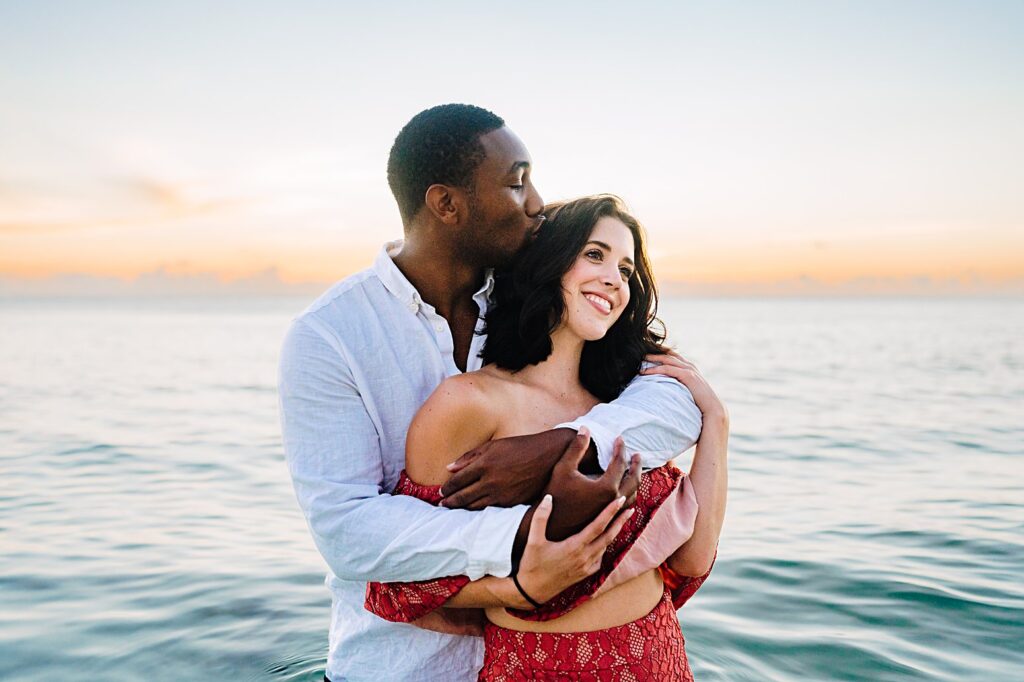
column 355, row 368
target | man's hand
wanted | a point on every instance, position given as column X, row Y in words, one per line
column 549, row 567
column 580, row 498
column 505, row 472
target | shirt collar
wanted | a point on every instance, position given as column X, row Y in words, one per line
column 402, row 289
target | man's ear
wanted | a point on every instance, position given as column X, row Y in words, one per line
column 447, row 204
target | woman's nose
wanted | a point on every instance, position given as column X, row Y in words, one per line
column 611, row 278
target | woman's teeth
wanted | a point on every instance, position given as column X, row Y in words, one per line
column 599, row 302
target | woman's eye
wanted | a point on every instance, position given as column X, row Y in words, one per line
column 595, row 254
column 626, row 273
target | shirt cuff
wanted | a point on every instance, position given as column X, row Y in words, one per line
column 602, row 438
column 490, row 553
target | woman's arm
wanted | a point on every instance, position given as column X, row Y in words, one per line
column 709, row 473
column 548, row 567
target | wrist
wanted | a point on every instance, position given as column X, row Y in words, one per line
column 590, row 463
column 522, row 536
column 524, row 597
column 716, row 417
column 560, row 440
column 507, row 594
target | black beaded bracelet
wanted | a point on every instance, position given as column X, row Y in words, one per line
column 515, row 579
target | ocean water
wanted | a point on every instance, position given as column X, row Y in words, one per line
column 875, row 528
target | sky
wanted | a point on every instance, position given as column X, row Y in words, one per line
column 768, row 147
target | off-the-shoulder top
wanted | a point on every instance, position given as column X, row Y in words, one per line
column 666, row 509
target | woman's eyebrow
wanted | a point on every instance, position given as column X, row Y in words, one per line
column 608, row 248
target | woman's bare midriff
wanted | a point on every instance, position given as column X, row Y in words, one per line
column 620, row 605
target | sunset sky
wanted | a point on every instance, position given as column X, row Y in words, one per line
column 768, row 146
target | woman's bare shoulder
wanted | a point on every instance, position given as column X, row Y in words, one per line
column 459, row 415
column 469, row 394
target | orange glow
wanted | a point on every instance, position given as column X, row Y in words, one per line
column 327, row 257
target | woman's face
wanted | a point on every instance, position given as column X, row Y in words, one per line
column 596, row 287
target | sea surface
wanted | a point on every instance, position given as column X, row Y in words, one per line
column 875, row 528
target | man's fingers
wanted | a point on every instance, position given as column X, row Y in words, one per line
column 479, row 503
column 539, row 522
column 617, row 467
column 597, row 526
column 573, row 454
column 634, row 475
column 634, row 467
column 460, row 480
column 464, row 460
column 631, row 482
column 464, row 497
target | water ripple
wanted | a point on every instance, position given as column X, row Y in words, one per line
column 875, row 528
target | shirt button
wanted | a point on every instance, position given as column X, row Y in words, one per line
column 414, row 307
column 438, row 326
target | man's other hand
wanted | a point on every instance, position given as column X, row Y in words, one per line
column 505, row 472
column 548, row 568
column 580, row 498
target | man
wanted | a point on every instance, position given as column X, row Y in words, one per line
column 359, row 362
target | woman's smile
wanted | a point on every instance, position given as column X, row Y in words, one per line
column 601, row 303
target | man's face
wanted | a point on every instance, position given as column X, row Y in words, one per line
column 504, row 206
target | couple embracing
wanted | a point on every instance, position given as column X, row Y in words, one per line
column 456, row 421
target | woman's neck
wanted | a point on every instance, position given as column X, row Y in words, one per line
column 559, row 373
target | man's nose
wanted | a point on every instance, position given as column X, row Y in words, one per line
column 534, row 204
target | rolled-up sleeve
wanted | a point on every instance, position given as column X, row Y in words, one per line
column 336, row 464
column 655, row 415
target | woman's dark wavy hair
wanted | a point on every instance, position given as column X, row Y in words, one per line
column 528, row 304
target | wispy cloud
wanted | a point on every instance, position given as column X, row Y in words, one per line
column 163, row 281
column 36, row 208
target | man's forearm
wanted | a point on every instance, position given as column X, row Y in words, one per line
column 333, row 451
column 655, row 415
column 522, row 535
column 401, row 539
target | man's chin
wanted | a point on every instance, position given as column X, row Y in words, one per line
column 496, row 259
column 530, row 238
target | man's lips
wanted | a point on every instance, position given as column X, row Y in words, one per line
column 537, row 225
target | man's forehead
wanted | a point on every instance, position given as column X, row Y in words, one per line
column 505, row 152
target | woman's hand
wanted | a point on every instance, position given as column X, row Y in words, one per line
column 547, row 568
column 685, row 372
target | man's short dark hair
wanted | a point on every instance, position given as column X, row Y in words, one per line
column 438, row 146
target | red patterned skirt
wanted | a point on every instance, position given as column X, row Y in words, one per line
column 649, row 649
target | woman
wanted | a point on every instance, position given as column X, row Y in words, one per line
column 571, row 323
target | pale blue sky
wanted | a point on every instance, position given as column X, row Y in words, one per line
column 757, row 141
